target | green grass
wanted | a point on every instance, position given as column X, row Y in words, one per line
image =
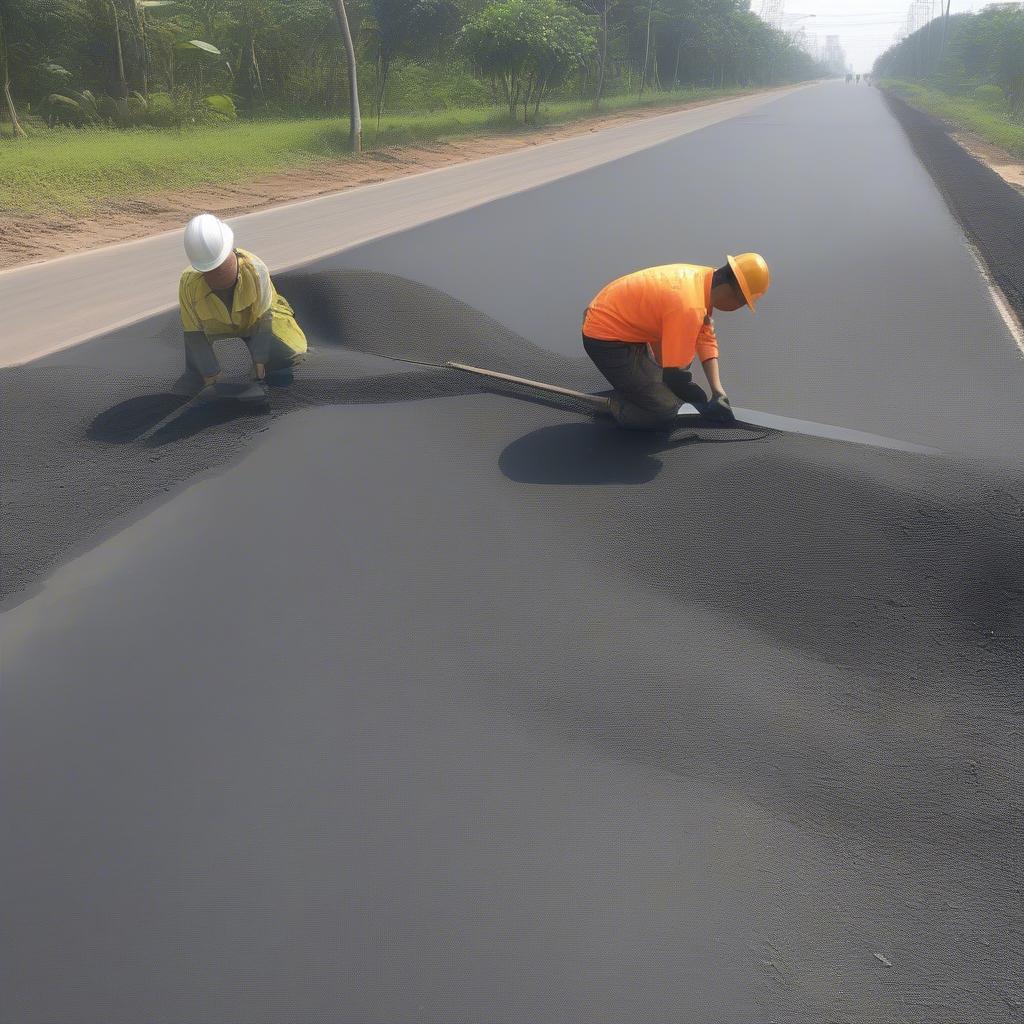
column 74, row 171
column 965, row 112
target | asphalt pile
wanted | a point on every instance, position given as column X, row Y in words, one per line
column 76, row 463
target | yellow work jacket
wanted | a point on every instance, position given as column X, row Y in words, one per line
column 255, row 295
column 667, row 307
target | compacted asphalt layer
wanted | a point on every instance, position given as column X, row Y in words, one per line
column 417, row 701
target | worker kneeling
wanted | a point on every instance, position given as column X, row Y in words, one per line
column 667, row 311
column 228, row 293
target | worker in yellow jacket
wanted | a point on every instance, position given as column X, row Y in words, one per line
column 643, row 331
column 228, row 293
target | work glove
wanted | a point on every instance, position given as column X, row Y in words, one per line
column 719, row 410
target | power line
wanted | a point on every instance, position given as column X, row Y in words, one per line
column 875, row 20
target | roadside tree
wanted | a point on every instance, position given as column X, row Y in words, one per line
column 526, row 47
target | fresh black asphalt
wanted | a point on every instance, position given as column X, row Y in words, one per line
column 416, row 702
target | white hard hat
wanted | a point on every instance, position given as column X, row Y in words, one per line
column 208, row 242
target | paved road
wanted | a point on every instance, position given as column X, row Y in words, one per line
column 50, row 305
column 880, row 319
column 438, row 706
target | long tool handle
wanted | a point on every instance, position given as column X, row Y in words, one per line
column 595, row 401
column 201, row 395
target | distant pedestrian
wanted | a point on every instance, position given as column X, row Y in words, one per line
column 643, row 330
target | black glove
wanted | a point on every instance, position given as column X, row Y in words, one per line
column 719, row 410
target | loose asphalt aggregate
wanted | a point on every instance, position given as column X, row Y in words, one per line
column 417, row 700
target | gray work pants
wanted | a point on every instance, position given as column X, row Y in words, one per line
column 646, row 397
column 263, row 347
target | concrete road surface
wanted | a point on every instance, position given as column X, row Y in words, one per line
column 420, row 703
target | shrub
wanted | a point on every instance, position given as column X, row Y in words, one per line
column 527, row 47
column 183, row 108
column 75, row 109
column 990, row 96
column 222, row 107
column 425, row 87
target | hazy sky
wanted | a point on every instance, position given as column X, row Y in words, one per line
column 865, row 27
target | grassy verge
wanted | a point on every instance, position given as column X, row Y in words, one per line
column 74, row 171
column 964, row 112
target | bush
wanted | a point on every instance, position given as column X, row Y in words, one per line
column 162, row 111
column 423, row 87
column 183, row 108
column 996, row 126
column 991, row 96
column 222, row 107
column 73, row 109
column 124, row 113
column 528, row 47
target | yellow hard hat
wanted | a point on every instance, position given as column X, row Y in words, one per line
column 752, row 274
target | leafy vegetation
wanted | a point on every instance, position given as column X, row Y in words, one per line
column 526, row 47
column 75, row 171
column 112, row 98
column 968, row 70
column 177, row 63
column 977, row 114
column 969, row 55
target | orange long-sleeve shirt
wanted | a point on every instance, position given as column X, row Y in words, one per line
column 664, row 307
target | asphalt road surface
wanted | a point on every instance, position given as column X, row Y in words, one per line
column 421, row 703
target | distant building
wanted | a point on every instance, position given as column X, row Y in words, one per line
column 1005, row 5
column 811, row 44
column 835, row 57
column 918, row 15
column 773, row 12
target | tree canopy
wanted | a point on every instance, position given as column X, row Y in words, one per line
column 525, row 47
column 972, row 53
column 177, row 62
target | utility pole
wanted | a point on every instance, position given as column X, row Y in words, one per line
column 120, row 53
column 604, row 53
column 945, row 29
column 5, row 82
column 647, row 46
column 355, row 120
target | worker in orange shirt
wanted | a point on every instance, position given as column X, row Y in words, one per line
column 643, row 330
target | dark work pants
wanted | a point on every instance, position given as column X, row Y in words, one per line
column 647, row 397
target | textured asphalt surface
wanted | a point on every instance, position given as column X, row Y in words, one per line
column 420, row 703
column 990, row 210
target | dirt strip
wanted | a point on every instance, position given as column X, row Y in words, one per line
column 1009, row 167
column 30, row 237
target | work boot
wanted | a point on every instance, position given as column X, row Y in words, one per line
column 257, row 394
column 250, row 392
column 633, row 417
